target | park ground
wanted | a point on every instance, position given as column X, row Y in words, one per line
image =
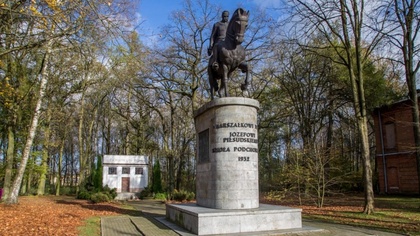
column 65, row 215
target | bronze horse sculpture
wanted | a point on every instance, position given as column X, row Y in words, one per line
column 228, row 55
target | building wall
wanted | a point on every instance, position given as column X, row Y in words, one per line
column 401, row 117
column 395, row 122
column 137, row 181
column 401, row 174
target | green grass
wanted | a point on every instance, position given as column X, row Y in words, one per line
column 92, row 227
column 392, row 214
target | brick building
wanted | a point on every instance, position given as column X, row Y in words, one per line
column 395, row 153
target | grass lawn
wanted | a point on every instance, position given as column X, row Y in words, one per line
column 392, row 213
column 91, row 226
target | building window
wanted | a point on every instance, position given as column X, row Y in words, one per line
column 126, row 170
column 112, row 170
column 139, row 170
column 390, row 136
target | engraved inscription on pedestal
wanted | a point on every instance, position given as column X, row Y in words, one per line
column 227, row 168
column 227, row 191
column 203, row 147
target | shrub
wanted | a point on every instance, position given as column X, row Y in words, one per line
column 146, row 192
column 99, row 197
column 190, row 196
column 66, row 190
column 275, row 195
column 179, row 195
column 351, row 182
column 112, row 193
column 183, row 195
column 83, row 194
column 160, row 196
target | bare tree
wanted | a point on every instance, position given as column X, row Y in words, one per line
column 342, row 24
column 403, row 26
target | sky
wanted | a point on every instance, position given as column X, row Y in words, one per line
column 155, row 13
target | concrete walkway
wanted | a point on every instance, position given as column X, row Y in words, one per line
column 151, row 222
column 144, row 223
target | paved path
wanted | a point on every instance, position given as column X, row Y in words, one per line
column 144, row 223
column 152, row 212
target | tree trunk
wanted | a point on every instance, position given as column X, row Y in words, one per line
column 9, row 161
column 362, row 125
column 90, row 144
column 367, row 169
column 60, row 160
column 30, row 171
column 82, row 158
column 14, row 193
column 416, row 127
column 72, row 162
column 45, row 153
column 412, row 85
column 178, row 183
column 12, row 122
column 171, row 173
column 359, row 103
column 127, row 142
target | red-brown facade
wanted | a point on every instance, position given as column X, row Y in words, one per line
column 395, row 149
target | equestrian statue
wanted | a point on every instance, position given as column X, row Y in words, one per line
column 228, row 54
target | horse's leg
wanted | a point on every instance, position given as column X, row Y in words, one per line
column 224, row 79
column 222, row 87
column 244, row 68
column 214, row 65
column 211, row 81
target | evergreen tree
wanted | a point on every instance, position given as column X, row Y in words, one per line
column 97, row 181
column 157, row 181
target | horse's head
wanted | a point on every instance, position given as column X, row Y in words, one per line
column 237, row 25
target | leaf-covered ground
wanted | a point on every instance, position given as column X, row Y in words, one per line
column 63, row 215
column 50, row 215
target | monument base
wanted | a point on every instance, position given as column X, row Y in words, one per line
column 207, row 221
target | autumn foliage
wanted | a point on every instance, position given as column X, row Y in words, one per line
column 50, row 215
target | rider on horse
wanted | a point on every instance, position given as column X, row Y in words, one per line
column 228, row 54
column 218, row 34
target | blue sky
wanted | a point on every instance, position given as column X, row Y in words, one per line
column 155, row 13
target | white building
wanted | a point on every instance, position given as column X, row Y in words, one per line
column 128, row 174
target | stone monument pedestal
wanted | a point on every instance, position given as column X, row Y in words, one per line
column 207, row 221
column 227, row 175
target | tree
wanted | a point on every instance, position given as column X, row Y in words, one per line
column 45, row 154
column 157, row 181
column 18, row 74
column 344, row 20
column 97, row 178
column 128, row 96
column 402, row 33
column 14, row 193
column 306, row 79
column 43, row 28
